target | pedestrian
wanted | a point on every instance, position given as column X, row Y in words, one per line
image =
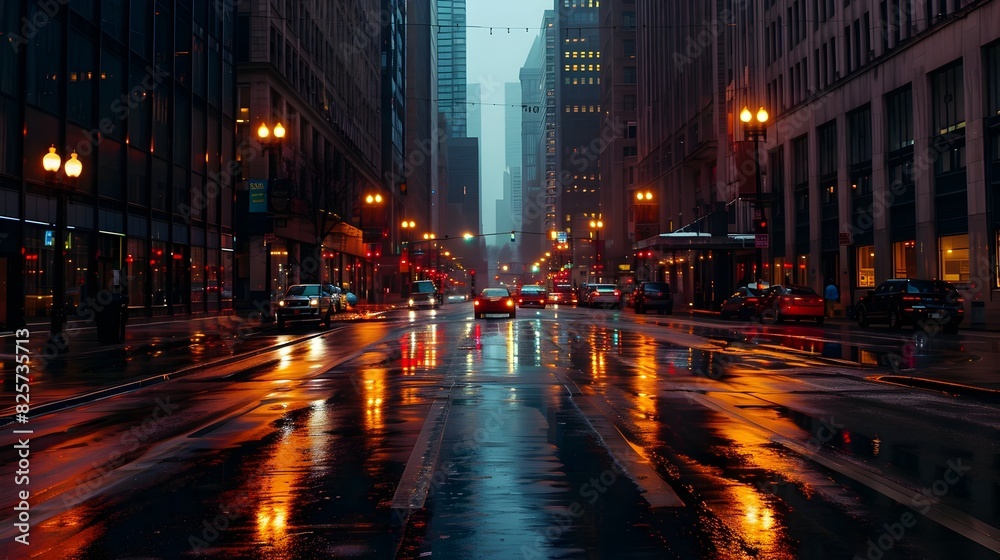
column 832, row 296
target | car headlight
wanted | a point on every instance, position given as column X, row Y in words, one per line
column 281, row 303
column 411, row 301
column 313, row 302
column 431, row 299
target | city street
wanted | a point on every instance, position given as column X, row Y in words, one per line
column 569, row 433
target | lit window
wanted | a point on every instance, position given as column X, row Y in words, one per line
column 866, row 266
column 954, row 258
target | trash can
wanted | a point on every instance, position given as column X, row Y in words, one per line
column 111, row 321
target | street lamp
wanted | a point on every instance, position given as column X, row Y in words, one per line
column 51, row 162
column 270, row 140
column 597, row 225
column 372, row 235
column 755, row 129
column 408, row 226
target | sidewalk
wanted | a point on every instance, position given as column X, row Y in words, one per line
column 75, row 369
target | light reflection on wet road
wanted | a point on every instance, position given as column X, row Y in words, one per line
column 310, row 467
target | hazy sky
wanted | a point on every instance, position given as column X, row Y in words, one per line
column 492, row 61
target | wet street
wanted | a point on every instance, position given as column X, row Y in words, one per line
column 563, row 433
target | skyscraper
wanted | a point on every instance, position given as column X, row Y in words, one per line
column 451, row 57
column 538, row 127
column 578, row 122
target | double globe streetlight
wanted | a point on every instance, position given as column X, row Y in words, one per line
column 271, row 140
column 51, row 162
column 755, row 129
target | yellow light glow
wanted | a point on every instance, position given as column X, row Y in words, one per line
column 263, row 131
column 745, row 115
column 51, row 161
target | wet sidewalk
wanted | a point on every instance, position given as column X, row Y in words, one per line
column 77, row 367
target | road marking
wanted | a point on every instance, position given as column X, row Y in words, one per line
column 411, row 493
column 631, row 458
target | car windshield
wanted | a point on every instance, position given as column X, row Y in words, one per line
column 604, row 287
column 423, row 287
column 532, row 290
column 495, row 292
column 656, row 287
column 311, row 291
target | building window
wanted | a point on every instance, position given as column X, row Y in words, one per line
column 904, row 259
column 899, row 118
column 866, row 266
column 948, row 99
column 991, row 76
column 954, row 258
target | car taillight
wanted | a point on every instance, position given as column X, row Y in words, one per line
column 911, row 298
column 751, row 300
column 510, row 303
column 617, row 293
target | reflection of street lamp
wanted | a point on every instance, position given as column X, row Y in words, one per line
column 270, row 142
column 755, row 128
column 73, row 168
column 597, row 225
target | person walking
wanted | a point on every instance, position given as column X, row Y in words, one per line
column 832, row 295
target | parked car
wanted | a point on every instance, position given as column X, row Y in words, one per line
column 423, row 293
column 914, row 302
column 305, row 302
column 532, row 295
column 603, row 295
column 493, row 301
column 743, row 303
column 653, row 295
column 792, row 302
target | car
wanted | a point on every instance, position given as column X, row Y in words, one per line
column 562, row 293
column 743, row 303
column 653, row 295
column 607, row 295
column 305, row 302
column 494, row 301
column 908, row 301
column 791, row 302
column 532, row 295
column 423, row 293
column 455, row 297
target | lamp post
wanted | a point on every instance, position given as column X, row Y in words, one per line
column 755, row 129
column 597, row 226
column 51, row 162
column 372, row 202
column 270, row 140
column 407, row 226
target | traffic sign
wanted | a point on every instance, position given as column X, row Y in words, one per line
column 760, row 241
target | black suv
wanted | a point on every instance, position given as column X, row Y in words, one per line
column 906, row 301
column 653, row 295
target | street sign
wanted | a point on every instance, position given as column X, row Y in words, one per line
column 258, row 195
column 561, row 236
column 760, row 241
column 845, row 238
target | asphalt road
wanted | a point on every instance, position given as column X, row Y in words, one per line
column 569, row 433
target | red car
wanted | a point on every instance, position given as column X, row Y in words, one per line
column 743, row 303
column 792, row 302
column 532, row 295
column 494, row 301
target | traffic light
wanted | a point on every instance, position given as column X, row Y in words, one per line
column 472, row 277
column 760, row 226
